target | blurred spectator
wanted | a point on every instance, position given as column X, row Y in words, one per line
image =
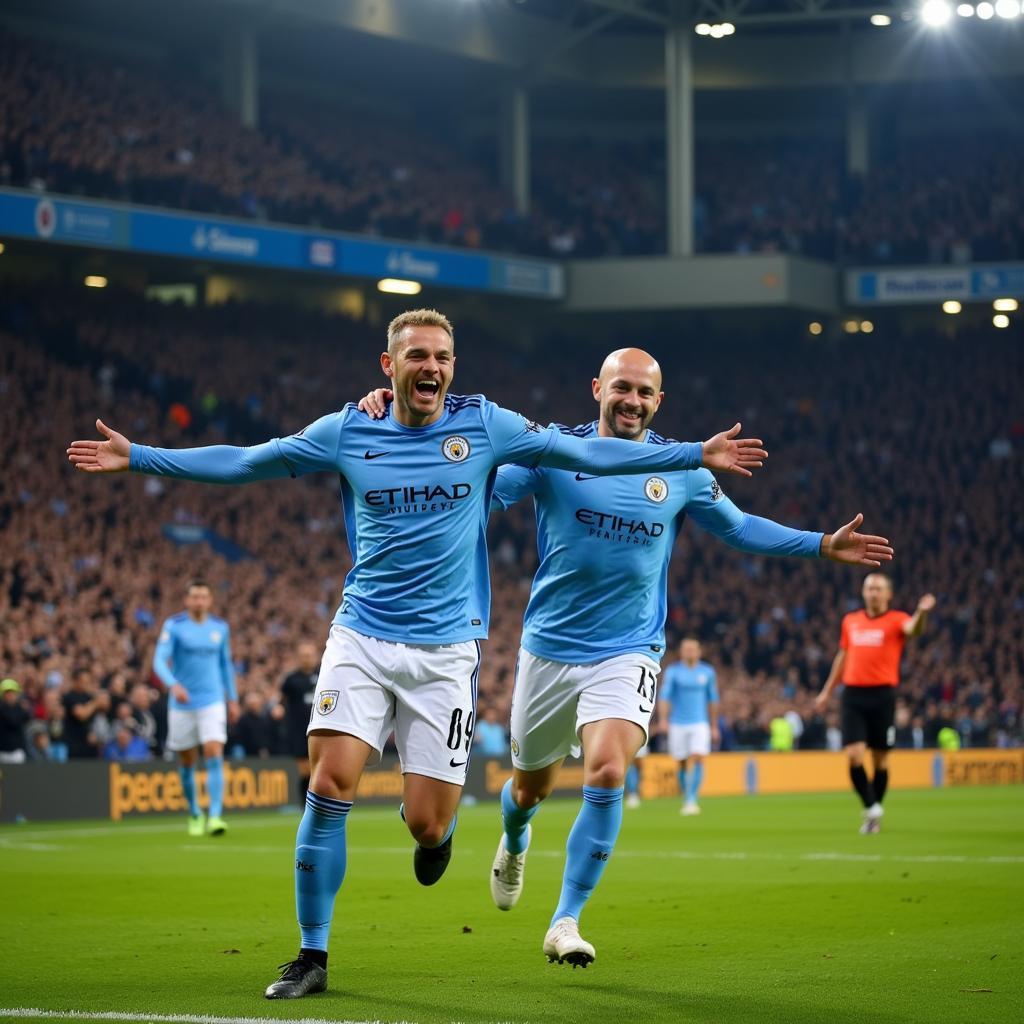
column 126, row 745
column 251, row 735
column 86, row 728
column 490, row 737
column 14, row 716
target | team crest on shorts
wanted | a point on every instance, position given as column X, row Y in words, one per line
column 328, row 701
column 515, row 747
column 656, row 489
column 455, row 448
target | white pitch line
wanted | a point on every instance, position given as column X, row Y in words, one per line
column 166, row 1018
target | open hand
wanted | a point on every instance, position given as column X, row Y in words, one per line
column 846, row 545
column 927, row 603
column 375, row 403
column 180, row 693
column 110, row 456
column 726, row 453
column 821, row 702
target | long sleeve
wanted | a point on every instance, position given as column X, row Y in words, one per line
column 312, row 449
column 162, row 658
column 513, row 483
column 714, row 512
column 227, row 668
column 606, row 456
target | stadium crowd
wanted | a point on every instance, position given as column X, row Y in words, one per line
column 90, row 568
column 69, row 123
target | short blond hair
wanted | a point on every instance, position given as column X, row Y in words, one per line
column 417, row 318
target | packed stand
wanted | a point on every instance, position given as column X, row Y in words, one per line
column 89, row 569
column 70, row 123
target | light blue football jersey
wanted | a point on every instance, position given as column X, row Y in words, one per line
column 416, row 502
column 605, row 544
column 196, row 655
column 688, row 691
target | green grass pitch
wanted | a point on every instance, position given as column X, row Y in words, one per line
column 761, row 910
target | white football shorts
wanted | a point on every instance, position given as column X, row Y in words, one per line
column 553, row 701
column 188, row 729
column 686, row 740
column 425, row 693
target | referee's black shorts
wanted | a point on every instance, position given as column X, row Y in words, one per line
column 867, row 716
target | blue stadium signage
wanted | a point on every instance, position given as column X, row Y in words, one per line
column 137, row 229
column 912, row 285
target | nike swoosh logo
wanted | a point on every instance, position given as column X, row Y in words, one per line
column 456, row 764
column 580, row 476
column 374, row 455
column 645, row 711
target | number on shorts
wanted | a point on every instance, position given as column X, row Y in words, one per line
column 647, row 678
column 459, row 734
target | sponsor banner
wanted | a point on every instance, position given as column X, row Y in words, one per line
column 934, row 284
column 55, row 219
column 983, row 767
column 41, row 791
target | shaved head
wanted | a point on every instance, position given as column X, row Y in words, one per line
column 631, row 361
column 629, row 392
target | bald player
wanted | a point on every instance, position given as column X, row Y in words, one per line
column 594, row 632
column 868, row 662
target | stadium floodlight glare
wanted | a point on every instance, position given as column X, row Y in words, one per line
column 1, row 248
column 396, row 286
column 985, row 11
column 1006, row 305
column 881, row 20
column 1000, row 320
column 95, row 281
column 936, row 13
column 815, row 328
column 851, row 326
column 703, row 29
column 866, row 326
column 728, row 28
column 951, row 306
column 965, row 11
column 1007, row 9
column 716, row 32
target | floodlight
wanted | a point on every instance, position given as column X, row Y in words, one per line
column 815, row 328
column 1000, row 320
column 396, row 286
column 965, row 11
column 936, row 13
column 1007, row 8
column 881, row 20
column 951, row 306
column 866, row 326
column 1006, row 305
column 95, row 281
column 728, row 28
column 985, row 10
column 703, row 29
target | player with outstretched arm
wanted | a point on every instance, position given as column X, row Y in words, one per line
column 403, row 652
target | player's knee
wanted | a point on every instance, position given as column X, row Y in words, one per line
column 609, row 774
column 427, row 832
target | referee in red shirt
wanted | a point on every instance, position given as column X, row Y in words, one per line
column 868, row 661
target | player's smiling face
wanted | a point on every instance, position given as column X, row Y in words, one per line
column 421, row 370
column 629, row 390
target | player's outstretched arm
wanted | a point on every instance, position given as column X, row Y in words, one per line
column 821, row 701
column 852, row 548
column 915, row 625
column 312, row 449
column 730, row 454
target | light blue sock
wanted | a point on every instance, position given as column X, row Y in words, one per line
column 188, row 787
column 681, row 776
column 515, row 819
column 320, row 858
column 590, row 844
column 696, row 777
column 215, row 785
column 632, row 780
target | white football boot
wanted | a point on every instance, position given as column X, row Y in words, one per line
column 563, row 944
column 507, row 874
